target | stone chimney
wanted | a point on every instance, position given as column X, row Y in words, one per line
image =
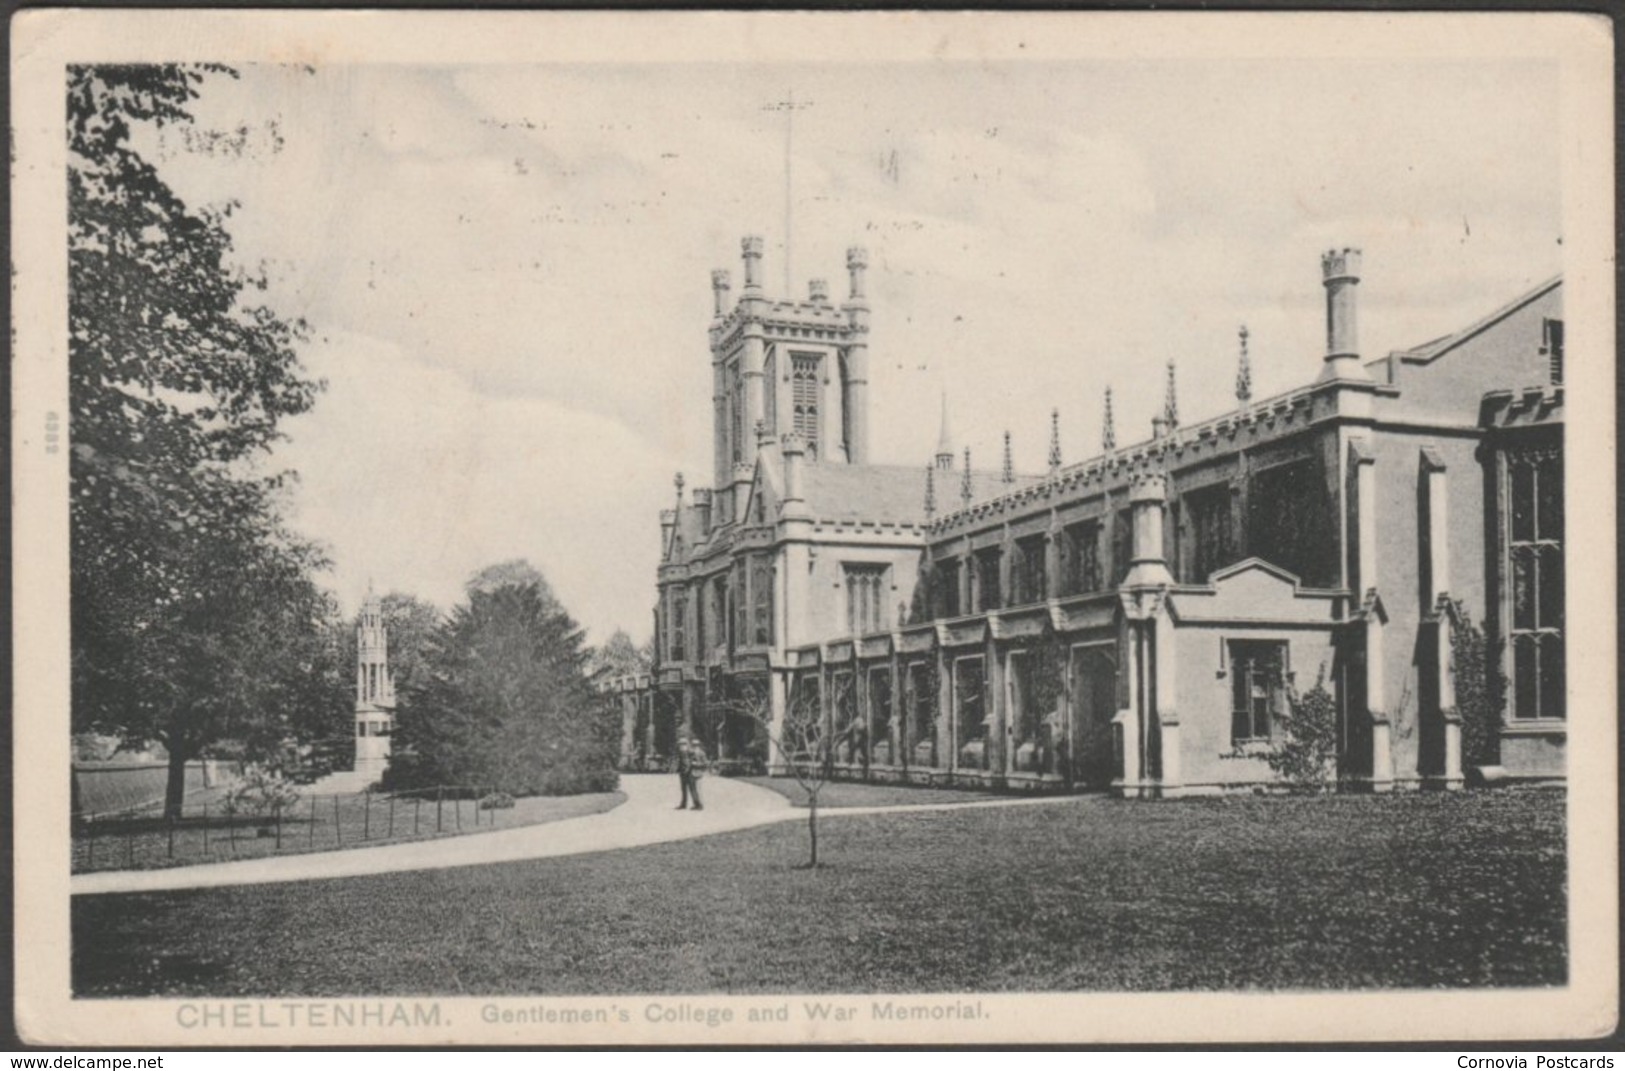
column 751, row 248
column 857, row 259
column 742, row 473
column 702, row 506
column 1340, row 270
column 818, row 291
column 721, row 283
column 668, row 521
column 1148, row 568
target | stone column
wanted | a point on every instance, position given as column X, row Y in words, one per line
column 857, row 359
column 899, row 738
column 995, row 710
column 1452, row 775
column 777, row 700
column 1126, row 724
column 1435, row 524
column 1367, row 567
column 1382, row 752
column 1053, row 583
column 752, row 354
column 1164, row 662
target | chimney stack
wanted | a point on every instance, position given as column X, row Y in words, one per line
column 751, row 247
column 1340, row 270
column 857, row 259
column 1148, row 567
column 702, row 506
column 818, row 291
column 668, row 521
column 720, row 285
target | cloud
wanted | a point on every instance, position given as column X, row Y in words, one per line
column 512, row 262
column 415, row 481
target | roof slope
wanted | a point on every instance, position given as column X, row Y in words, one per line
column 1432, row 350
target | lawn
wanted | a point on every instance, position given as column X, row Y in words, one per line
column 317, row 823
column 838, row 794
column 1414, row 890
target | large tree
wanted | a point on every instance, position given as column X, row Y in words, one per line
column 620, row 657
column 194, row 615
column 506, row 703
column 515, row 572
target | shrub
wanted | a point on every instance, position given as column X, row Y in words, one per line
column 1480, row 689
column 258, row 791
column 1306, row 755
column 496, row 801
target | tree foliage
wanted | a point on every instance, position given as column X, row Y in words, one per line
column 194, row 616
column 411, row 624
column 1306, row 754
column 515, row 572
column 504, row 703
column 1480, row 688
column 620, row 657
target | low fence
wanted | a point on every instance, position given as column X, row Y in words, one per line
column 113, row 788
column 208, row 832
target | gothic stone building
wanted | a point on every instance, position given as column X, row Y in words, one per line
column 1141, row 620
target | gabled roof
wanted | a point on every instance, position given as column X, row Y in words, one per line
column 688, row 529
column 875, row 493
column 1436, row 348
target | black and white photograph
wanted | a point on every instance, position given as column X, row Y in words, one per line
column 739, row 528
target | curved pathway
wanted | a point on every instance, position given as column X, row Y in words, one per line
column 647, row 817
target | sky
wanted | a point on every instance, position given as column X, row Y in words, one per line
column 506, row 269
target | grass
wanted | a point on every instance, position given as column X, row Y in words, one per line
column 1413, row 890
column 358, row 820
column 838, row 794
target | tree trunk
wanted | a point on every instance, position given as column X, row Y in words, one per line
column 812, row 826
column 175, row 787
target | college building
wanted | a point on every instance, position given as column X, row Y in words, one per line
column 1388, row 535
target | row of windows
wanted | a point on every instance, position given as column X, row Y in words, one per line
column 1534, row 566
column 724, row 604
column 806, row 390
column 1258, row 685
column 1289, row 523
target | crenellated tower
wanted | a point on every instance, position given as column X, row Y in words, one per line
column 780, row 366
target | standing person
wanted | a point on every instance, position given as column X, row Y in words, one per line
column 688, row 775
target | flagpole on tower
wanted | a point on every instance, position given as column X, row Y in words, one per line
column 789, row 106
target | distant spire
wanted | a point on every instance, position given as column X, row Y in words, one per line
column 964, row 483
column 678, row 483
column 1244, row 370
column 1054, row 440
column 1108, row 433
column 1170, row 405
column 1009, row 473
column 945, row 442
column 930, row 490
